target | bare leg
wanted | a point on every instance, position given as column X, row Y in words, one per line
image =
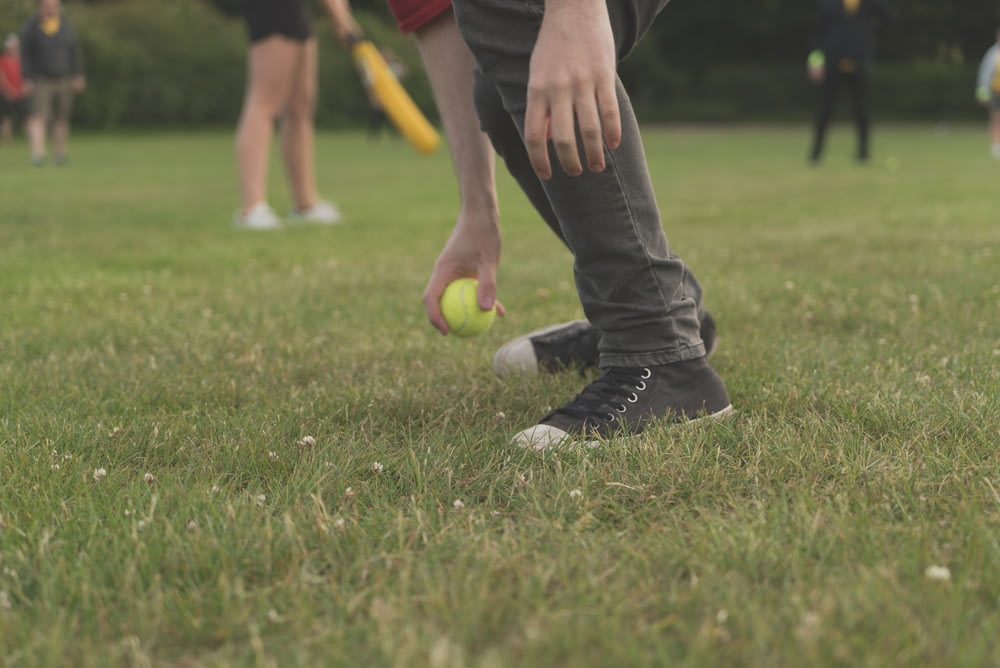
column 269, row 63
column 297, row 129
column 60, row 139
column 36, row 137
column 995, row 131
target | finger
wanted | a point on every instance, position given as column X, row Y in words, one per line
column 432, row 305
column 589, row 120
column 611, row 115
column 486, row 292
column 536, row 135
column 563, row 127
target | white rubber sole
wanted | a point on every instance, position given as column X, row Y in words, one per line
column 543, row 437
column 517, row 356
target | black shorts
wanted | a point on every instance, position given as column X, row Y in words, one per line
column 288, row 18
column 14, row 109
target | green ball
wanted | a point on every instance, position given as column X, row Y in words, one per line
column 460, row 310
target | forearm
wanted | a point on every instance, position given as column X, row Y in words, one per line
column 343, row 21
column 449, row 65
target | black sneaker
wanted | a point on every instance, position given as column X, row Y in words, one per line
column 567, row 345
column 622, row 401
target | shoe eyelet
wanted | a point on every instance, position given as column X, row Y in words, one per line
column 632, row 399
column 641, row 386
column 622, row 408
column 610, row 417
column 646, row 373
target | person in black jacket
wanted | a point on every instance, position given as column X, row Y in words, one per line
column 53, row 73
column 842, row 57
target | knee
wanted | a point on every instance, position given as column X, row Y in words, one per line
column 301, row 108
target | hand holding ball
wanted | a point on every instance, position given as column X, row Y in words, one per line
column 462, row 312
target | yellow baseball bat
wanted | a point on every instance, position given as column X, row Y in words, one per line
column 398, row 106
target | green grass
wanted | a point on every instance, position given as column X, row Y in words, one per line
column 141, row 334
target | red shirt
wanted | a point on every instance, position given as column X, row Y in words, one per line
column 413, row 14
column 11, row 83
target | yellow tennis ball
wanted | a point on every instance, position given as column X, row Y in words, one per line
column 460, row 310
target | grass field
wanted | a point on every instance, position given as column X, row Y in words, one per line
column 849, row 515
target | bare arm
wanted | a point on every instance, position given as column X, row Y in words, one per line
column 473, row 250
column 345, row 28
column 571, row 84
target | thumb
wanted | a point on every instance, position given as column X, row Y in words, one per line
column 486, row 293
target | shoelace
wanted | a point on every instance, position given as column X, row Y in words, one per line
column 578, row 346
column 607, row 396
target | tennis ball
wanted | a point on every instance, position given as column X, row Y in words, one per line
column 460, row 310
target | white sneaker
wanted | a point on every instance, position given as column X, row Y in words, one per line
column 322, row 212
column 259, row 217
column 995, row 150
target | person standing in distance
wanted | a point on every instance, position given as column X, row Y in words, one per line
column 988, row 92
column 842, row 57
column 52, row 67
column 282, row 85
column 12, row 103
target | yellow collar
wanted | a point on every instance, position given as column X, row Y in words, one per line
column 50, row 25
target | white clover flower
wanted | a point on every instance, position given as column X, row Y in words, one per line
column 272, row 455
column 214, row 489
column 339, row 523
column 377, row 467
column 149, row 478
column 140, row 525
column 938, row 573
column 308, row 441
column 459, row 504
column 192, row 525
column 54, row 467
column 100, row 474
column 575, row 493
column 261, row 499
column 349, row 492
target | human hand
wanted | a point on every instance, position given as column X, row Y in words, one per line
column 78, row 83
column 816, row 66
column 571, row 83
column 472, row 251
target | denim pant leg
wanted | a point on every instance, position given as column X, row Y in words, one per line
column 632, row 287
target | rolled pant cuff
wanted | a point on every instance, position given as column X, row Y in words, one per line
column 635, row 360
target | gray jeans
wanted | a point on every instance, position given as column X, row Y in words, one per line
column 638, row 294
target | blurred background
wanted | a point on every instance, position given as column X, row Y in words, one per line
column 180, row 63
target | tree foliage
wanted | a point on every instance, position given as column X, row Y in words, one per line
column 182, row 61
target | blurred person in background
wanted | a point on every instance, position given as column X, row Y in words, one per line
column 282, row 86
column 52, row 67
column 988, row 92
column 842, row 58
column 12, row 103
